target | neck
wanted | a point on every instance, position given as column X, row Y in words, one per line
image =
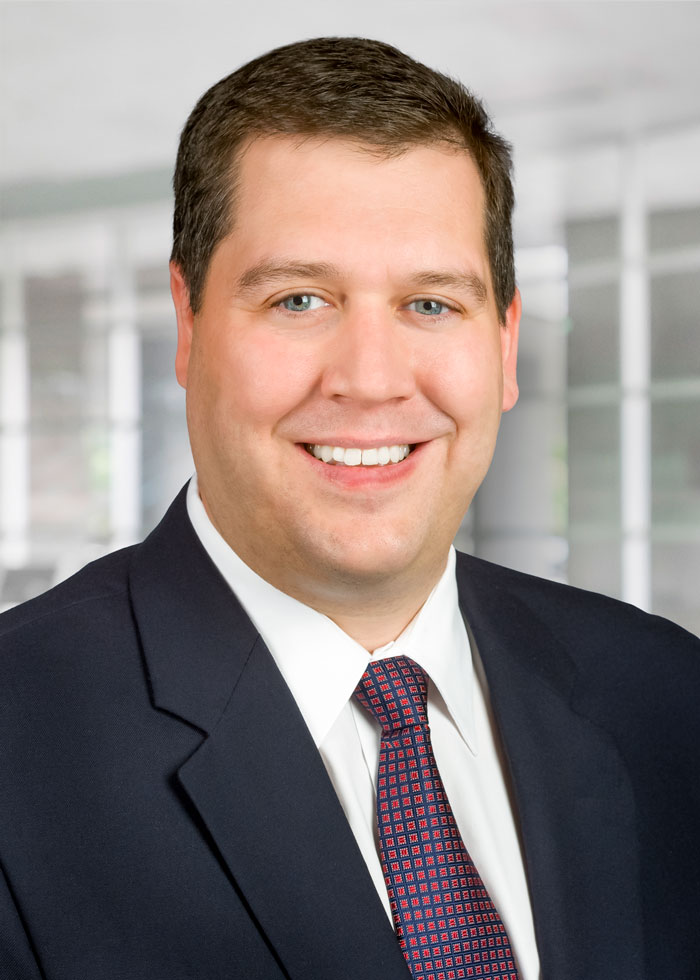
column 372, row 612
column 374, row 628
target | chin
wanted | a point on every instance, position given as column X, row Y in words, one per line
column 372, row 560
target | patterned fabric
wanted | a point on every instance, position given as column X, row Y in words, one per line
column 447, row 925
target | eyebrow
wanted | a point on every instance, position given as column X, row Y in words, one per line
column 269, row 272
column 468, row 282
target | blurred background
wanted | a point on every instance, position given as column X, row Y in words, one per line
column 596, row 479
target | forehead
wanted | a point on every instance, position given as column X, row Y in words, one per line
column 270, row 161
column 338, row 191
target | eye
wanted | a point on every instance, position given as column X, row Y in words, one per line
column 301, row 302
column 429, row 307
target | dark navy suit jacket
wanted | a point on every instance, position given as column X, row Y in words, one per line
column 165, row 815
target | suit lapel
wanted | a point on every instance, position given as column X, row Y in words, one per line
column 572, row 793
column 257, row 779
column 264, row 794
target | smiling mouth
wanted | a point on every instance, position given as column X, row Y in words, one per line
column 375, row 456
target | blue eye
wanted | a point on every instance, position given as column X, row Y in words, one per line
column 429, row 307
column 301, row 302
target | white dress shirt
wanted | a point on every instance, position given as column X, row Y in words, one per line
column 322, row 666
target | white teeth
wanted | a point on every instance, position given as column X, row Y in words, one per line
column 379, row 456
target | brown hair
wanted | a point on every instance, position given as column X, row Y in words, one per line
column 344, row 87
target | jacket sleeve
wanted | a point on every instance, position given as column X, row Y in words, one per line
column 17, row 961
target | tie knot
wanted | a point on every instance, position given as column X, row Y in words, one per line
column 395, row 692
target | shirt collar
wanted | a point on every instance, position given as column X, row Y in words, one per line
column 436, row 639
column 320, row 663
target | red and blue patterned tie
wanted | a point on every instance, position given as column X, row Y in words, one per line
column 447, row 925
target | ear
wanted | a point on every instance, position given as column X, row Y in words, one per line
column 509, row 351
column 185, row 322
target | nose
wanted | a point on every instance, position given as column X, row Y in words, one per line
column 369, row 359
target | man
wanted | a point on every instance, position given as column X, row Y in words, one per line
column 190, row 727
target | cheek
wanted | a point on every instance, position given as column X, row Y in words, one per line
column 255, row 380
column 466, row 382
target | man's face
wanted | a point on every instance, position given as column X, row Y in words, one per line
column 349, row 314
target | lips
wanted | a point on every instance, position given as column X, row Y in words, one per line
column 355, row 456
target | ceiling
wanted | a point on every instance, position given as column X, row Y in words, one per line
column 102, row 88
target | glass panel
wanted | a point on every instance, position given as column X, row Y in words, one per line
column 594, row 348
column 542, row 357
column 166, row 460
column 675, row 575
column 524, row 491
column 153, row 279
column 675, row 325
column 54, row 313
column 19, row 584
column 595, row 564
column 67, row 360
column 674, row 229
column 593, row 239
column 675, row 434
column 68, row 407
column 594, row 467
column 69, row 483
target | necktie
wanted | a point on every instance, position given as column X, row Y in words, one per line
column 446, row 924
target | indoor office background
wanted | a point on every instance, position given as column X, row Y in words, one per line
column 596, row 478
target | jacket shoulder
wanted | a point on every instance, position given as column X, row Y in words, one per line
column 580, row 618
column 102, row 579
